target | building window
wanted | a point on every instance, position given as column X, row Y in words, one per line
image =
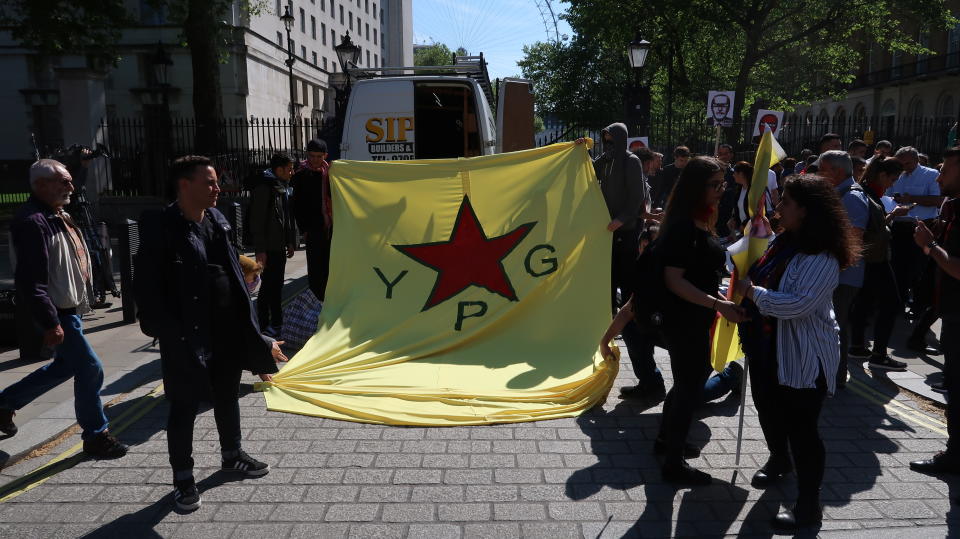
column 333, row 37
column 896, row 58
column 341, row 13
column 314, row 57
column 333, row 10
column 325, row 62
column 292, row 47
column 953, row 46
column 368, row 32
column 323, row 5
column 279, row 8
column 368, row 58
column 350, row 18
column 366, row 6
column 323, row 33
column 374, row 11
column 303, row 52
column 279, row 39
column 334, row 67
column 916, row 108
column 376, row 60
column 303, row 21
column 947, row 110
column 375, row 36
column 313, row 26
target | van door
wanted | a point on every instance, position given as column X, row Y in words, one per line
column 447, row 120
column 380, row 125
column 514, row 115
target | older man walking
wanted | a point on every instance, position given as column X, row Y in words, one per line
column 52, row 275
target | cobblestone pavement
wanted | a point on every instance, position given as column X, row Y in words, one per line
column 591, row 476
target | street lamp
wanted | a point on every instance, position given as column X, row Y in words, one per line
column 161, row 63
column 347, row 54
column 288, row 20
column 638, row 102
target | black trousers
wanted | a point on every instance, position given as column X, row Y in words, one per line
column 689, row 348
column 224, row 388
column 950, row 341
column 625, row 249
column 843, row 298
column 907, row 258
column 269, row 310
column 880, row 295
column 318, row 262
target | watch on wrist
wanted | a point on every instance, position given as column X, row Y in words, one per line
column 930, row 246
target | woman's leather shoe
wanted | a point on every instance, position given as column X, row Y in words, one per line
column 771, row 472
column 798, row 517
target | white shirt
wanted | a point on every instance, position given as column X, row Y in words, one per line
column 921, row 182
column 808, row 337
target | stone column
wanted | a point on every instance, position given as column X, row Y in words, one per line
column 83, row 107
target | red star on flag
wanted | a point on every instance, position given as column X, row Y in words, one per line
column 468, row 258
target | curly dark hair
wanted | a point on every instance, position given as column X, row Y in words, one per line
column 687, row 200
column 826, row 227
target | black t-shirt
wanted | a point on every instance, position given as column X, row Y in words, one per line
column 684, row 245
column 949, row 296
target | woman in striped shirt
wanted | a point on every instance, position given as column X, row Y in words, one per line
column 792, row 339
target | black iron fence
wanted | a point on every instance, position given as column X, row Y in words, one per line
column 928, row 135
column 143, row 148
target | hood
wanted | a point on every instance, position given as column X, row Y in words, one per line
column 618, row 131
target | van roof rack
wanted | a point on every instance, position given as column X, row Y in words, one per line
column 474, row 67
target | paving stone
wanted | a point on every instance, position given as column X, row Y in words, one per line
column 370, row 476
column 72, row 493
column 904, row 509
column 551, row 530
column 579, row 511
column 437, row 494
column 485, row 531
column 477, row 493
column 258, row 531
column 125, row 493
column 239, row 512
column 379, row 446
column 540, row 461
column 299, row 512
column 435, row 531
column 519, row 511
column 352, row 512
column 517, row 476
column 468, row 477
column 424, row 446
column 278, row 493
column 492, row 461
column 348, row 460
column 445, row 461
column 192, row 530
column 398, row 460
column 462, row 512
column 407, row 512
column 384, row 493
column 324, row 493
column 312, row 476
column 416, row 476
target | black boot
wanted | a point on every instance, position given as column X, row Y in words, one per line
column 807, row 512
column 774, row 470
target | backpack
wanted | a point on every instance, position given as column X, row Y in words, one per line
column 876, row 235
column 648, row 289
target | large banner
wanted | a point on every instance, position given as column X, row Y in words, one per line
column 461, row 292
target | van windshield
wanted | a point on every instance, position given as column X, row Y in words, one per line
column 446, row 118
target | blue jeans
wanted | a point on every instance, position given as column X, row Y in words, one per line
column 640, row 348
column 74, row 359
column 723, row 382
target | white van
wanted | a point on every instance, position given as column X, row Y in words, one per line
column 430, row 116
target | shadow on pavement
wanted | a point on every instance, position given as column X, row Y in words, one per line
column 16, row 363
column 142, row 523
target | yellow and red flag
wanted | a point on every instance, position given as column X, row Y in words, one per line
column 461, row 292
column 756, row 237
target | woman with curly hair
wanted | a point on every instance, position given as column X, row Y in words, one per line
column 792, row 338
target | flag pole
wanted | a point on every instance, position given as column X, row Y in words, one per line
column 716, row 146
column 743, row 405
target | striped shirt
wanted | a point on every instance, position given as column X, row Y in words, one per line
column 807, row 333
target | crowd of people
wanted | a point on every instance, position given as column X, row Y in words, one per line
column 855, row 239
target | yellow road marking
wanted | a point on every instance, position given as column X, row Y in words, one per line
column 70, row 458
column 894, row 407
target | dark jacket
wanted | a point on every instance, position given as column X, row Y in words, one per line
column 271, row 217
column 620, row 174
column 32, row 231
column 175, row 304
column 311, row 199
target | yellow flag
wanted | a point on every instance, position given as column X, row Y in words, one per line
column 461, row 292
column 725, row 340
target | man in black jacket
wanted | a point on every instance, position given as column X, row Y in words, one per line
column 191, row 297
column 311, row 207
column 274, row 238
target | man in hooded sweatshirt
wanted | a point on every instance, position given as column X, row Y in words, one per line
column 274, row 238
column 620, row 174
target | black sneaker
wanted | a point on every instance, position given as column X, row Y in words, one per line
column 921, row 347
column 938, row 387
column 6, row 422
column 186, row 497
column 104, row 446
column 246, row 465
column 858, row 351
column 886, row 363
column 646, row 396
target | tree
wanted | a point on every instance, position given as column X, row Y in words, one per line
column 437, row 54
column 773, row 52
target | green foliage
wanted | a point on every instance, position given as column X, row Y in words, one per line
column 56, row 27
column 775, row 53
column 437, row 54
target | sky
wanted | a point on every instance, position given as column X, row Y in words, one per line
column 497, row 28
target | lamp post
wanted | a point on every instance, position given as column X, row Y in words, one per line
column 160, row 62
column 288, row 21
column 161, row 66
column 347, row 54
column 638, row 111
